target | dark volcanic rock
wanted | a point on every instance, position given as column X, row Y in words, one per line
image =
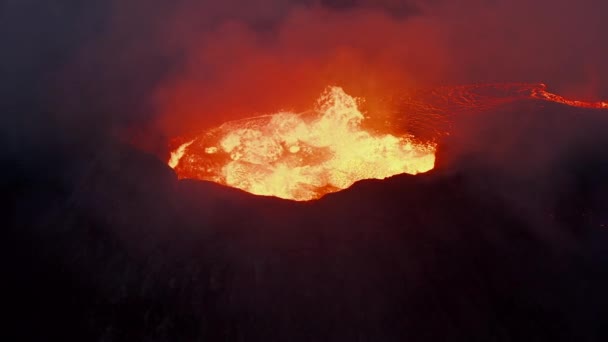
column 505, row 241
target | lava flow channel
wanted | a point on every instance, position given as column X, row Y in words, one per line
column 300, row 156
column 540, row 92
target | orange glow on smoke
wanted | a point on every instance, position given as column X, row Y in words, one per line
column 300, row 156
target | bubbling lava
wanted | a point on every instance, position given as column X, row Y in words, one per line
column 305, row 156
column 301, row 156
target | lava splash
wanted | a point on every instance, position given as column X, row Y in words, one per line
column 301, row 156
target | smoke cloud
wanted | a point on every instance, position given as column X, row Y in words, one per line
column 159, row 69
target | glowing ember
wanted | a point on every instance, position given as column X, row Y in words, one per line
column 300, row 156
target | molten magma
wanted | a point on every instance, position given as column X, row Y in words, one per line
column 300, row 156
column 304, row 156
column 540, row 92
column 178, row 154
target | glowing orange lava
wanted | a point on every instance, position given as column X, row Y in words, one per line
column 540, row 92
column 305, row 156
column 300, row 156
column 178, row 154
